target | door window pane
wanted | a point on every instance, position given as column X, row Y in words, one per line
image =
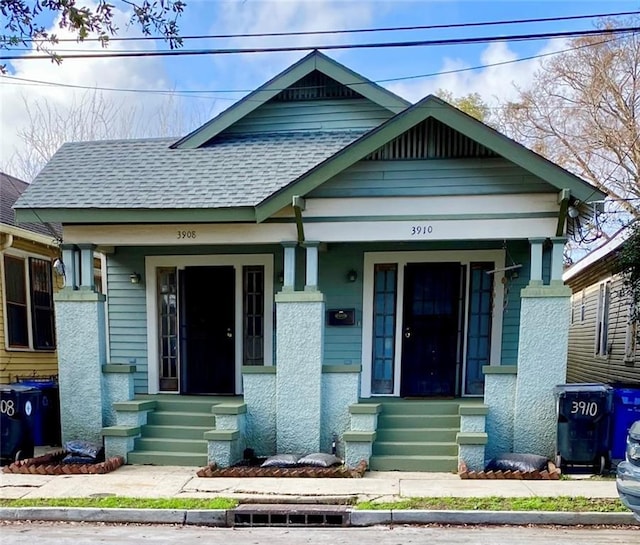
column 479, row 332
column 384, row 317
column 253, row 314
column 167, row 321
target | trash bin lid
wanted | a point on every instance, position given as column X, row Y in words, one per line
column 591, row 387
column 16, row 387
column 634, row 430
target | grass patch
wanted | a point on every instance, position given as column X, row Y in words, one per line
column 115, row 502
column 562, row 503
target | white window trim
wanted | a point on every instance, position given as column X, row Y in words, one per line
column 20, row 254
column 401, row 259
column 601, row 348
column 631, row 336
column 182, row 261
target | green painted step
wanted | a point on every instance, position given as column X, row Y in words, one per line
column 418, row 421
column 403, row 406
column 414, row 463
column 167, row 418
column 195, row 404
column 406, row 448
column 173, row 432
column 161, row 458
column 417, row 435
column 170, row 445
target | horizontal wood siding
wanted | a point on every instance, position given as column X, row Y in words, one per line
column 21, row 363
column 311, row 115
column 583, row 365
column 432, row 177
column 518, row 253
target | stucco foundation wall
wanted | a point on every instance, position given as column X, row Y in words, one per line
column 80, row 331
column 115, row 387
column 260, row 398
column 339, row 390
column 299, row 371
column 542, row 364
column 499, row 396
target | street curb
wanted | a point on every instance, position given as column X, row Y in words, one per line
column 218, row 517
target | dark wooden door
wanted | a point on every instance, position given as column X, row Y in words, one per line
column 430, row 329
column 207, row 330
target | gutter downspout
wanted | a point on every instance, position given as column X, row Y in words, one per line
column 299, row 204
column 7, row 241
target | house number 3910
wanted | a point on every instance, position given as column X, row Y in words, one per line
column 186, row 234
column 421, row 230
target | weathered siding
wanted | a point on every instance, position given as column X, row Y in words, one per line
column 432, row 177
column 518, row 252
column 313, row 115
column 21, row 363
column 583, row 364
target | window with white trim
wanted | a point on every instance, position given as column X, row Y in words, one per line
column 602, row 322
column 28, row 303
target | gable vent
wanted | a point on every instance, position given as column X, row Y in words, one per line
column 431, row 139
column 315, row 86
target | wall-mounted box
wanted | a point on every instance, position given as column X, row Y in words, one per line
column 341, row 316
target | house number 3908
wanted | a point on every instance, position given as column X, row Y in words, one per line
column 186, row 234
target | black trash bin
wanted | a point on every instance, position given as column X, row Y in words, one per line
column 584, row 418
column 16, row 410
column 46, row 428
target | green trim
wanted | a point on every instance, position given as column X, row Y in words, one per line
column 472, row 438
column 499, row 369
column 228, row 408
column 299, row 297
column 258, row 369
column 352, row 368
column 473, row 410
column 134, row 215
column 365, row 408
column 359, row 436
column 431, row 106
column 429, row 217
column 545, row 291
column 221, row 435
column 313, row 61
column 120, row 431
column 134, row 405
column 118, row 368
column 71, row 295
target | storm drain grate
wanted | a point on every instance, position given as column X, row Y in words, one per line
column 290, row 515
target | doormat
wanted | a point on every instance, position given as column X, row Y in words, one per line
column 51, row 464
column 336, row 472
column 552, row 473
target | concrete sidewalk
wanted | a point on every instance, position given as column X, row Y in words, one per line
column 182, row 482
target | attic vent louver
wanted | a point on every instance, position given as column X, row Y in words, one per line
column 315, row 86
column 431, row 140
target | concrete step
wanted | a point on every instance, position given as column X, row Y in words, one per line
column 417, row 435
column 175, row 432
column 180, row 403
column 170, row 445
column 394, row 421
column 161, row 458
column 414, row 463
column 406, row 448
column 170, row 418
column 404, row 406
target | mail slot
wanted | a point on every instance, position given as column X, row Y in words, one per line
column 341, row 316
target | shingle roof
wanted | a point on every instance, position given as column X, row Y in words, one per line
column 10, row 190
column 234, row 171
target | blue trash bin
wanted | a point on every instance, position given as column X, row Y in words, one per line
column 31, row 402
column 48, row 432
column 626, row 410
column 16, row 409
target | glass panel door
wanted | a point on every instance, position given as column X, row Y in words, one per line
column 384, row 326
column 168, row 328
column 479, row 331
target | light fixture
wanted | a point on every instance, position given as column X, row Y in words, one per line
column 58, row 267
column 352, row 275
column 134, row 278
column 573, row 212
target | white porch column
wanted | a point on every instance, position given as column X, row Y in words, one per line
column 311, row 282
column 535, row 278
column 557, row 260
column 289, row 266
column 69, row 259
column 87, row 280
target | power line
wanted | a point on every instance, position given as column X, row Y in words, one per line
column 377, row 45
column 352, row 31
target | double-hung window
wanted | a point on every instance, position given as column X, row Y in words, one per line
column 602, row 322
column 28, row 303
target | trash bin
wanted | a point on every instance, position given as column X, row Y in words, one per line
column 47, row 430
column 626, row 410
column 16, row 408
column 584, row 416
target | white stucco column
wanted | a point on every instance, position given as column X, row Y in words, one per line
column 289, row 266
column 311, row 281
column 299, row 352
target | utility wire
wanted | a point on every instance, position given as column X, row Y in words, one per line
column 352, row 31
column 376, row 45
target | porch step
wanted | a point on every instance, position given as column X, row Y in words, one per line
column 172, row 432
column 410, row 435
column 171, row 445
column 418, row 421
column 400, row 406
column 414, row 463
column 414, row 448
column 184, row 403
column 163, row 458
column 167, row 418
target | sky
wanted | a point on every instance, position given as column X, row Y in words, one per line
column 197, row 88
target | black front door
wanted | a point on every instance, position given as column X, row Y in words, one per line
column 207, row 318
column 430, row 329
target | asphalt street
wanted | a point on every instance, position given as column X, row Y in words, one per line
column 28, row 533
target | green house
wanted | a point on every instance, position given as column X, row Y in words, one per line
column 321, row 264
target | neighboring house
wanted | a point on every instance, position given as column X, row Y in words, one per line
column 27, row 335
column 603, row 340
column 322, row 262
